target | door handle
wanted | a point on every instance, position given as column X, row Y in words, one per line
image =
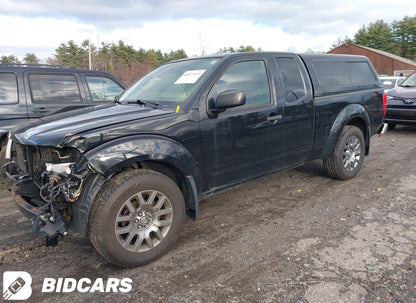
column 41, row 110
column 274, row 118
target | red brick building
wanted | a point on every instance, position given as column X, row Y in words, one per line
column 384, row 62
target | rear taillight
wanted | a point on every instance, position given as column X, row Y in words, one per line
column 384, row 104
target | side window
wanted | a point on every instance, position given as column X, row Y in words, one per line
column 332, row 73
column 103, row 89
column 294, row 87
column 54, row 88
column 8, row 88
column 250, row 77
column 360, row 73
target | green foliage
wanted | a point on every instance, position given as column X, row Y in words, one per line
column 245, row 49
column 118, row 58
column 125, row 53
column 174, row 55
column 376, row 35
column 106, row 57
column 70, row 54
column 153, row 57
column 226, row 50
column 241, row 49
column 9, row 60
column 404, row 33
column 398, row 38
column 31, row 58
column 341, row 41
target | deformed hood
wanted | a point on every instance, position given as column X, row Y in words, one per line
column 51, row 131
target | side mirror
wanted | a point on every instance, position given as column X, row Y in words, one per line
column 227, row 99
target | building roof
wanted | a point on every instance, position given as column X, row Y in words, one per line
column 392, row 56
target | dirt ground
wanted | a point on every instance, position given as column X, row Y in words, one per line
column 298, row 236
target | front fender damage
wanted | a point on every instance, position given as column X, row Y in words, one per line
column 56, row 187
column 47, row 196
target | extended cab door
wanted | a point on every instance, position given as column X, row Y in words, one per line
column 246, row 141
column 295, row 89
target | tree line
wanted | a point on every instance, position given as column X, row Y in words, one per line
column 119, row 58
column 397, row 38
column 128, row 64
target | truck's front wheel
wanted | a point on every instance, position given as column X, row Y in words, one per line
column 136, row 218
column 348, row 155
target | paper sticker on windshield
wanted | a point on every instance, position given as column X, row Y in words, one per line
column 190, row 76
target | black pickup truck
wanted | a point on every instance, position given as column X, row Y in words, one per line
column 128, row 174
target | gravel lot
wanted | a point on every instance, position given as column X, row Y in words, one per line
column 298, row 236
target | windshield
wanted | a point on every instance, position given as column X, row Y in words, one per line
column 170, row 84
column 410, row 82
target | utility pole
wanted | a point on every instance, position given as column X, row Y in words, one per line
column 89, row 53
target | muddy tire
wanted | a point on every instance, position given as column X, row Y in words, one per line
column 136, row 218
column 348, row 155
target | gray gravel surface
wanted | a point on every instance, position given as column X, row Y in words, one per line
column 297, row 236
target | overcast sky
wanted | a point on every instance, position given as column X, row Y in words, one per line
column 198, row 27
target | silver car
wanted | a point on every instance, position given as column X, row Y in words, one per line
column 391, row 82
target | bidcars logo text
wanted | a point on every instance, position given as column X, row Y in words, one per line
column 67, row 285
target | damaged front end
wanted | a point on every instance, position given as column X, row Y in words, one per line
column 47, row 182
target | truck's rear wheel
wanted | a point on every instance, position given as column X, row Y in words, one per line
column 136, row 218
column 348, row 155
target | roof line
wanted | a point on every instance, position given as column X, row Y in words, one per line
column 384, row 53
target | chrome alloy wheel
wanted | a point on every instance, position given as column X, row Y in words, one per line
column 352, row 153
column 143, row 221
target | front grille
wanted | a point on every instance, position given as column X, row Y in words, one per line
column 30, row 159
column 409, row 101
column 401, row 101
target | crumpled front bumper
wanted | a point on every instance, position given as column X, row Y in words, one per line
column 9, row 170
column 29, row 210
column 45, row 221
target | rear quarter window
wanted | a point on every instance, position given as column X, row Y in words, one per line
column 8, row 88
column 341, row 75
column 360, row 73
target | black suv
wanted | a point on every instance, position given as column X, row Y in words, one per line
column 30, row 92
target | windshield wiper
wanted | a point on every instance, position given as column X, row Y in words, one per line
column 144, row 103
column 117, row 99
